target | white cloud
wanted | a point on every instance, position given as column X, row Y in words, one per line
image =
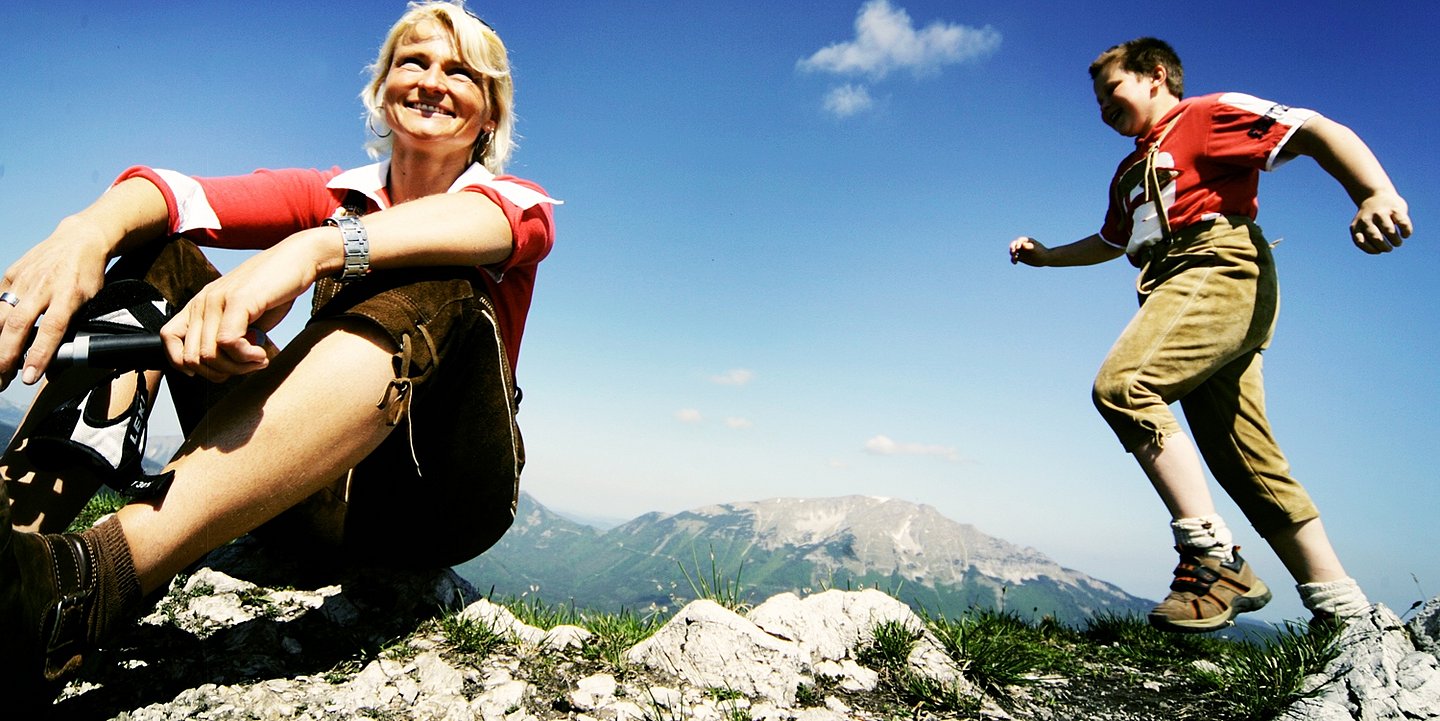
column 688, row 415
column 845, row 100
column 734, row 377
column 885, row 446
column 886, row 40
column 738, row 424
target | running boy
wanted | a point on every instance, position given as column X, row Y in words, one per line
column 1182, row 208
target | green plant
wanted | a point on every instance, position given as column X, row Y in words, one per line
column 996, row 649
column 1131, row 638
column 259, row 599
column 716, row 585
column 808, row 695
column 1262, row 677
column 615, row 633
column 888, row 646
column 920, row 692
column 725, row 693
column 534, row 612
column 469, row 636
column 102, row 504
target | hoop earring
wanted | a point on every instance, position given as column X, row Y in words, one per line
column 370, row 123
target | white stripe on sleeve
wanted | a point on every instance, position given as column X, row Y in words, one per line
column 191, row 205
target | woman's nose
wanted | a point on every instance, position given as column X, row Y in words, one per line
column 433, row 78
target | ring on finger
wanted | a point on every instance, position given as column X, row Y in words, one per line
column 11, row 298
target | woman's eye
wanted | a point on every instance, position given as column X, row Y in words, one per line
column 464, row 75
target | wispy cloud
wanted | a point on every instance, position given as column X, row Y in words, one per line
column 885, row 446
column 734, row 377
column 689, row 415
column 845, row 100
column 738, row 423
column 886, row 41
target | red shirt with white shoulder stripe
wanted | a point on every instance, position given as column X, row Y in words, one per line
column 1211, row 151
column 256, row 211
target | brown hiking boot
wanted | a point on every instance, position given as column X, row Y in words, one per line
column 53, row 605
column 1208, row 594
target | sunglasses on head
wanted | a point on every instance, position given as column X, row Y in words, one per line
column 488, row 26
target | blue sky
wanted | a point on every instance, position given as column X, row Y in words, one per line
column 781, row 268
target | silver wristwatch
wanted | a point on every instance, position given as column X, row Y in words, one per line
column 357, row 247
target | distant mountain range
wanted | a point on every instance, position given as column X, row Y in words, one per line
column 786, row 544
column 767, row 547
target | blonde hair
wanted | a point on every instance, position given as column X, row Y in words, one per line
column 482, row 52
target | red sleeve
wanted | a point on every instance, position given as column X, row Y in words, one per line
column 261, row 209
column 1247, row 131
column 254, row 211
column 532, row 230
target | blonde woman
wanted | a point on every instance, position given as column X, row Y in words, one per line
column 423, row 267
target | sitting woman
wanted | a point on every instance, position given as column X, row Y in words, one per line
column 387, row 426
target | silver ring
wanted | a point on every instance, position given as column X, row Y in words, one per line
column 11, row 298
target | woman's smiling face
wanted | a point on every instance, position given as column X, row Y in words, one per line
column 431, row 99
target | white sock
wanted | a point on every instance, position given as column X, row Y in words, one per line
column 1205, row 533
column 1342, row 598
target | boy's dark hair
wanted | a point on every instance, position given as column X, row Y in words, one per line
column 1142, row 55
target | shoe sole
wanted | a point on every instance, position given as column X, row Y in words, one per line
column 1255, row 600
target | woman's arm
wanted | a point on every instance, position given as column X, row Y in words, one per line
column 209, row 336
column 53, row 279
column 1382, row 220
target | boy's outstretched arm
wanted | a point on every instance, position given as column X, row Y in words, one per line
column 1382, row 222
column 1086, row 251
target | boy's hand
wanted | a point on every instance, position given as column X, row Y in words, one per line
column 1381, row 224
column 1027, row 250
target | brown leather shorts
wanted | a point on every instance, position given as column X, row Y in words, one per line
column 442, row 487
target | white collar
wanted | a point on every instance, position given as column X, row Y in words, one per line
column 370, row 180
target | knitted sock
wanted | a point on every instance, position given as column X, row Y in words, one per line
column 1208, row 534
column 117, row 587
column 1341, row 599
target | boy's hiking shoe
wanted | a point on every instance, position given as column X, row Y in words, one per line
column 1208, row 593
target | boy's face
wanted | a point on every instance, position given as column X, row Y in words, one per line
column 1128, row 101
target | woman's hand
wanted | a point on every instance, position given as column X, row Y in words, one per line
column 49, row 283
column 214, row 335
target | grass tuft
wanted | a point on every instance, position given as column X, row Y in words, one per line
column 716, row 585
column 103, row 503
column 1260, row 678
column 996, row 649
column 615, row 633
column 468, row 636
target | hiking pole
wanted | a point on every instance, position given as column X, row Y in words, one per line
column 139, row 351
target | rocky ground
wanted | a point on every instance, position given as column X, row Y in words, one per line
column 248, row 636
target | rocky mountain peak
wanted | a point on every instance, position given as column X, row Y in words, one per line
column 874, row 534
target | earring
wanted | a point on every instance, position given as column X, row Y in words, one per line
column 370, row 123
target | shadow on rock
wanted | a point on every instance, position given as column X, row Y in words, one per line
column 246, row 614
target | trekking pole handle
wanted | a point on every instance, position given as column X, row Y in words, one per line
column 120, row 352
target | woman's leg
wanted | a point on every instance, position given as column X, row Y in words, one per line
column 273, row 441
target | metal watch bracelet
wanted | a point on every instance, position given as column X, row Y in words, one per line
column 356, row 246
